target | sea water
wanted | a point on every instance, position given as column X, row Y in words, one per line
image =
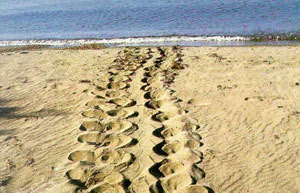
column 118, row 21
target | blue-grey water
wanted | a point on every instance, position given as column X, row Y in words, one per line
column 76, row 19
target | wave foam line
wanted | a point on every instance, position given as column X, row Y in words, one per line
column 120, row 41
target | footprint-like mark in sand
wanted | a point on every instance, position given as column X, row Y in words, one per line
column 119, row 77
column 102, row 140
column 103, row 156
column 117, row 85
column 95, row 113
column 123, row 102
column 82, row 155
column 85, row 175
column 120, row 126
column 123, row 113
column 109, row 94
column 91, row 126
column 163, row 116
column 158, row 94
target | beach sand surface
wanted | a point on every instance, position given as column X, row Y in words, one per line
column 192, row 119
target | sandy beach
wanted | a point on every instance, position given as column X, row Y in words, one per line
column 168, row 119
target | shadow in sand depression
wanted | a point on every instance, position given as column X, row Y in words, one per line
column 7, row 132
column 8, row 112
column 4, row 101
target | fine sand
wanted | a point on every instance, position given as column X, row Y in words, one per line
column 186, row 120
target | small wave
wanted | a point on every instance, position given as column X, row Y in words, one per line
column 122, row 41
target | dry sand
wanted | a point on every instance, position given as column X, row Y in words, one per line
column 173, row 120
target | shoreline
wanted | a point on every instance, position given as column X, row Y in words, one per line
column 149, row 41
column 7, row 49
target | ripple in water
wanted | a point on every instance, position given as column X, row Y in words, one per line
column 101, row 19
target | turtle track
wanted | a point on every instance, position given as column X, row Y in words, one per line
column 135, row 137
column 98, row 164
column 178, row 171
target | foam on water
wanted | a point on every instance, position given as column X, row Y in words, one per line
column 123, row 41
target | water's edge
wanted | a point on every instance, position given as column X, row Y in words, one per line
column 163, row 41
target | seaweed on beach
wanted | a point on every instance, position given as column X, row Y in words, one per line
column 85, row 47
column 264, row 38
column 22, row 48
column 25, row 49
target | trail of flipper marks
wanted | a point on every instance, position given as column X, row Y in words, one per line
column 178, row 169
column 120, row 155
column 98, row 166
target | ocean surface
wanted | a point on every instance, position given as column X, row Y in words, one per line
column 117, row 20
